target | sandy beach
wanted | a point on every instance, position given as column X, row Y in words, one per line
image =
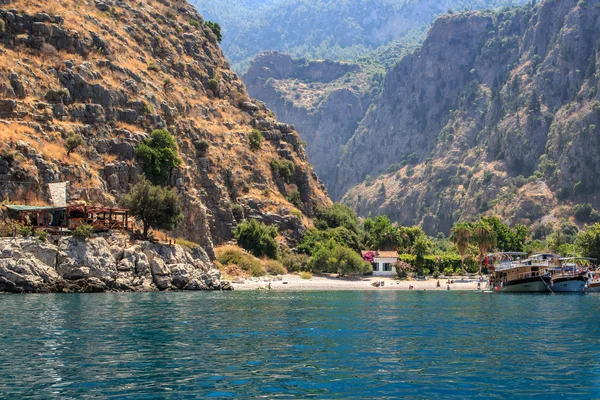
column 328, row 283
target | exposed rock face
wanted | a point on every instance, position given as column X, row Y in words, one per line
column 111, row 73
column 104, row 263
column 316, row 97
column 493, row 112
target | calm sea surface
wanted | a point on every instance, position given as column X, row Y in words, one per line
column 325, row 345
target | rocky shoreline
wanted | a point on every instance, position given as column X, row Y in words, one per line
column 104, row 263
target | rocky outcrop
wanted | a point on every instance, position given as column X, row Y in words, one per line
column 495, row 111
column 277, row 66
column 103, row 263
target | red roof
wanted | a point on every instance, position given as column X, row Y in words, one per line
column 381, row 253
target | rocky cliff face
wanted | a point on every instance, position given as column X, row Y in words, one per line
column 325, row 100
column 104, row 263
column 111, row 72
column 497, row 112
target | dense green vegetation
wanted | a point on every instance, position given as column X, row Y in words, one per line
column 157, row 155
column 588, row 241
column 72, row 142
column 255, row 138
column 324, row 29
column 216, row 29
column 83, row 231
column 156, row 206
column 257, row 238
column 338, row 234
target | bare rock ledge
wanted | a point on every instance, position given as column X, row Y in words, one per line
column 107, row 263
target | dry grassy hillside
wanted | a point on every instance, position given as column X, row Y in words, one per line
column 111, row 72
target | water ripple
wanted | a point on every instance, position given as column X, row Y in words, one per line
column 309, row 345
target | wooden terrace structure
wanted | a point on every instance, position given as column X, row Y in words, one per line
column 67, row 218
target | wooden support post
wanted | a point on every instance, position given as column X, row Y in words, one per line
column 126, row 220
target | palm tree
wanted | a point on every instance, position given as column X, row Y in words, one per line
column 421, row 248
column 485, row 238
column 460, row 236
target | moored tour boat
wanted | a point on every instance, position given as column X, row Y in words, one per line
column 568, row 283
column 593, row 282
column 569, row 278
column 511, row 274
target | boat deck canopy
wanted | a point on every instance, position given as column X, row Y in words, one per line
column 507, row 253
column 34, row 208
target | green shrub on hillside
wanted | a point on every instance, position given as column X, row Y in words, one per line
column 294, row 198
column 332, row 258
column 337, row 215
column 157, row 207
column 73, row 142
column 157, row 156
column 83, row 231
column 202, row 146
column 216, row 30
column 586, row 213
column 284, row 168
column 213, row 85
column 296, row 213
column 589, row 241
column 24, row 230
column 147, row 109
column 295, row 262
column 257, row 238
column 42, row 236
column 234, row 256
column 274, row 267
column 255, row 138
column 313, row 238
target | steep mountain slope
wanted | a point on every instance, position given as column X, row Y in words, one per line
column 324, row 29
column 111, row 72
column 497, row 112
column 325, row 100
column 327, row 109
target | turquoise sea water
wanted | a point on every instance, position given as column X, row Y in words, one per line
column 313, row 344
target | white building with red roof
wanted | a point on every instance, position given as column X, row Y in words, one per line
column 382, row 261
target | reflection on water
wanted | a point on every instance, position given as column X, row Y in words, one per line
column 338, row 344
